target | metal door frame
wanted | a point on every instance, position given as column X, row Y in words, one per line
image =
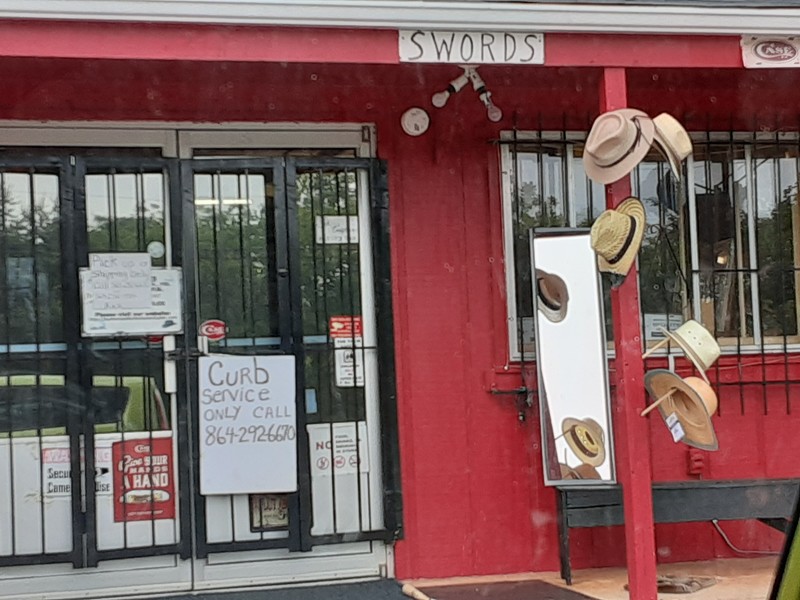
column 71, row 166
column 84, row 166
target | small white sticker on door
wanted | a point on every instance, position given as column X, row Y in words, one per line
column 349, row 367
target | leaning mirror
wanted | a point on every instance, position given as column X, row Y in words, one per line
column 577, row 441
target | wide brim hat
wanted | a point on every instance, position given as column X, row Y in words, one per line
column 617, row 235
column 617, row 142
column 585, row 471
column 697, row 343
column 568, row 472
column 673, row 140
column 586, row 439
column 692, row 401
column 552, row 296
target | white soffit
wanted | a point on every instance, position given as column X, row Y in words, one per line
column 422, row 14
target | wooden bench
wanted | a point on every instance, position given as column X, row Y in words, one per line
column 771, row 501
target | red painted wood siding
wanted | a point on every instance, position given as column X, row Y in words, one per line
column 474, row 503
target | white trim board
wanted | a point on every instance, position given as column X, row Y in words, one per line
column 415, row 14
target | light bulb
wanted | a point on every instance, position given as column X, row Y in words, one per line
column 494, row 113
column 440, row 99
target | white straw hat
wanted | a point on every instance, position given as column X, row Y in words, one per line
column 696, row 342
column 552, row 296
column 674, row 141
column 617, row 142
column 616, row 236
column 587, row 440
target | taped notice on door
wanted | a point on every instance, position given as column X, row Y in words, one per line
column 162, row 315
column 340, row 456
column 57, row 469
column 349, row 367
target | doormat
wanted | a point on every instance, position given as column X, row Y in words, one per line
column 384, row 589
column 673, row 584
column 520, row 590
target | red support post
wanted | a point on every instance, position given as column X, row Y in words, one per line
column 631, row 430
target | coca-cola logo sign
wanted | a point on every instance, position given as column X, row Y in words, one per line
column 213, row 329
column 775, row 51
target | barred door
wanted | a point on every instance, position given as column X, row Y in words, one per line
column 76, row 407
column 289, row 255
column 280, row 259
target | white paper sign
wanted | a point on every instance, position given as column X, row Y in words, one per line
column 349, row 366
column 471, row 47
column 247, row 424
column 163, row 315
column 340, row 455
column 57, row 470
column 675, row 427
column 118, row 280
column 652, row 322
column 333, row 229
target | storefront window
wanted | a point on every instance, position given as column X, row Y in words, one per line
column 30, row 294
column 720, row 246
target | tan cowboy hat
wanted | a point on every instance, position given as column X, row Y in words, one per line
column 552, row 296
column 696, row 342
column 568, row 472
column 585, row 471
column 586, row 439
column 691, row 400
column 617, row 235
column 617, row 142
column 673, row 140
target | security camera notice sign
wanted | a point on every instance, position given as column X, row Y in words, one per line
column 144, row 482
column 247, row 424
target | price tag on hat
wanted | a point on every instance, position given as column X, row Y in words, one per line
column 675, row 427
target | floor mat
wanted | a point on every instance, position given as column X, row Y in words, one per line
column 385, row 589
column 522, row 590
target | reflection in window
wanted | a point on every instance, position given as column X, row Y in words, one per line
column 721, row 244
column 30, row 258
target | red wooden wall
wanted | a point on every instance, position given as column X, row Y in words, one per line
column 474, row 502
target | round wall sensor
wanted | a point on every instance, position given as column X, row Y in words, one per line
column 415, row 121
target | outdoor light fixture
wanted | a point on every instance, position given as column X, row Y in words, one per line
column 494, row 113
column 439, row 99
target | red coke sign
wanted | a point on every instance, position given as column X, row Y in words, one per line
column 213, row 329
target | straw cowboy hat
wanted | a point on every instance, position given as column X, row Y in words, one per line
column 568, row 472
column 586, row 439
column 673, row 140
column 617, row 142
column 552, row 296
column 616, row 236
column 583, row 471
column 691, row 400
column 696, row 342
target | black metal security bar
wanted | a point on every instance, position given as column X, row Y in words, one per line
column 722, row 247
column 261, row 262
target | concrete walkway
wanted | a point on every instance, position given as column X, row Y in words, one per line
column 737, row 579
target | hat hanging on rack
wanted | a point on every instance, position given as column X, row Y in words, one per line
column 697, row 343
column 673, row 140
column 616, row 236
column 617, row 142
column 691, row 402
